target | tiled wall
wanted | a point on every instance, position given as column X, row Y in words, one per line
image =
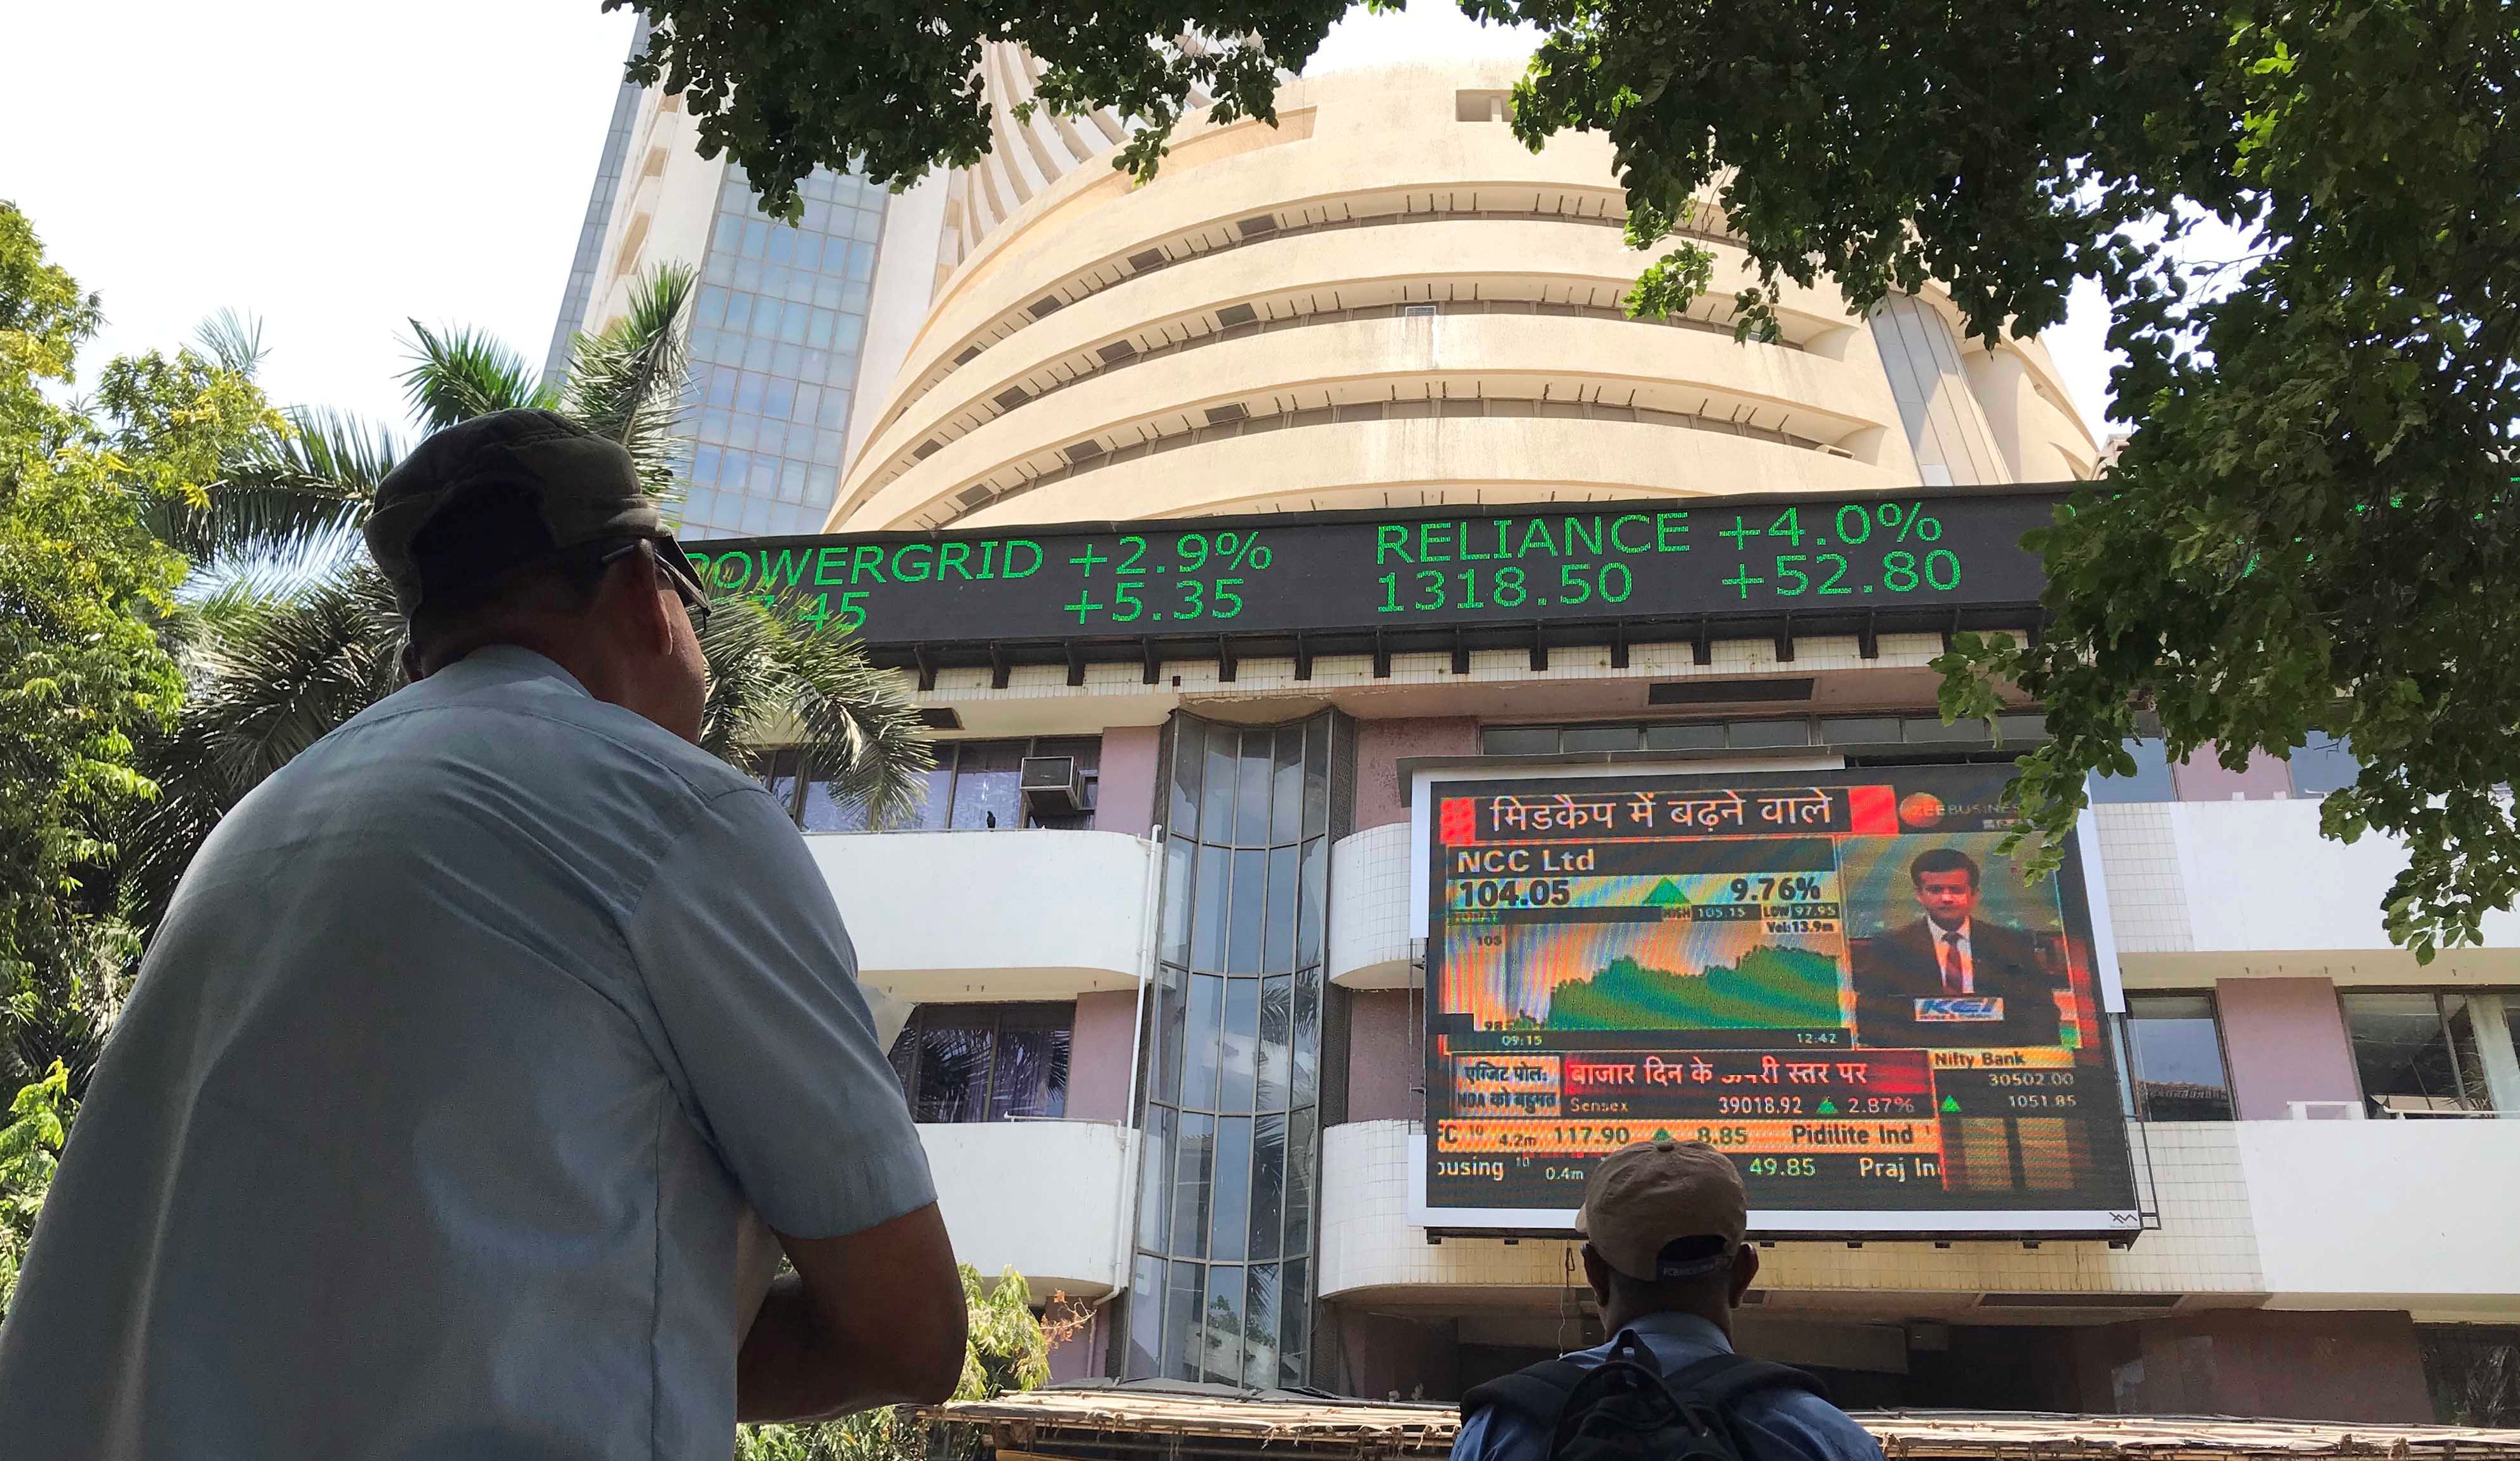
column 1125, row 802
column 1099, row 1069
column 1386, row 1069
column 2147, row 895
column 1381, row 744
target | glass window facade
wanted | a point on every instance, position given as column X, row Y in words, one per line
column 2152, row 781
column 777, row 327
column 2175, row 1045
column 985, row 1061
column 977, row 786
column 2474, row 1371
column 599, row 215
column 2325, row 764
column 1760, row 733
column 1222, row 1278
column 2429, row 1053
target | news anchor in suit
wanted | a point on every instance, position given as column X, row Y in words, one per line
column 1950, row 956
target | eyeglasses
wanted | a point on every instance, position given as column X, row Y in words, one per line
column 694, row 603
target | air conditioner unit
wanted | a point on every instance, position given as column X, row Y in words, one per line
column 1052, row 785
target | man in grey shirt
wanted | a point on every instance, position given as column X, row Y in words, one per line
column 472, row 1044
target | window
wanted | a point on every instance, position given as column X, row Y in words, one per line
column 1683, row 736
column 2433, row 1052
column 2174, row 1043
column 985, row 1061
column 2150, row 781
column 2474, row 1371
column 1601, row 738
column 1234, row 1092
column 987, row 786
column 1765, row 733
column 1520, row 740
column 977, row 786
column 1867, row 731
column 2325, row 764
column 775, row 310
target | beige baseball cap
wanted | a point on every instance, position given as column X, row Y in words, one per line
column 1643, row 1197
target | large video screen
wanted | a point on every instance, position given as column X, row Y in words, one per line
column 1835, row 977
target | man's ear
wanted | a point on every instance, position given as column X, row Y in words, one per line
column 1745, row 1270
column 1597, row 1272
column 633, row 578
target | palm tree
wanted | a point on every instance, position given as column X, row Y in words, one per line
column 271, row 666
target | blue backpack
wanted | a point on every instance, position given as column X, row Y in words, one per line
column 1625, row 1409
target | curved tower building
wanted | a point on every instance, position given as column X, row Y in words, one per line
column 1165, row 918
column 1386, row 300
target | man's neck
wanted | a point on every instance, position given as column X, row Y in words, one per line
column 1941, row 928
column 1616, row 1317
column 598, row 669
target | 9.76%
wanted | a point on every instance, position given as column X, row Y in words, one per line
column 1771, row 888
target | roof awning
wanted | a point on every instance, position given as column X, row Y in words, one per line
column 1086, row 1423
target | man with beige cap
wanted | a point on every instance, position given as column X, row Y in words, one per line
column 1663, row 1224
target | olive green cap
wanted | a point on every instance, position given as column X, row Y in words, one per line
column 564, row 488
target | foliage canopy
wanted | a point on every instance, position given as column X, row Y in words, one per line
column 1007, row 1350
column 31, row 1133
column 2311, row 526
column 272, row 669
column 87, row 585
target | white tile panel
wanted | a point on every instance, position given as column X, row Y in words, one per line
column 2147, row 892
column 2414, row 1214
column 1078, row 1184
column 2204, row 1245
column 1370, row 943
column 1036, row 914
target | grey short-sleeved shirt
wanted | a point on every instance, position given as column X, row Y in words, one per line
column 433, row 1116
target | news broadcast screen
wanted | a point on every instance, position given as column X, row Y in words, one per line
column 1834, row 976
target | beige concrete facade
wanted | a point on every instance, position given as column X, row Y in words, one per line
column 1413, row 308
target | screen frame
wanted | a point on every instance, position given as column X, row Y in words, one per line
column 2118, row 1225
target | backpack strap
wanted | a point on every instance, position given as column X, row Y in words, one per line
column 1538, row 1394
column 1535, row 1394
column 1719, row 1380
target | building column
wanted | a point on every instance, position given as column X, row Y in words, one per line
column 2490, row 1015
column 1242, row 1058
column 2285, row 1041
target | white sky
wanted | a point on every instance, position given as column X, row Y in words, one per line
column 337, row 169
column 334, row 168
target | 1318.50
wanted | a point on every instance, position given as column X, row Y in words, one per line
column 1429, row 589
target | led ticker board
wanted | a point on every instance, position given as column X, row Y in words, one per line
column 1832, row 976
column 1529, row 570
